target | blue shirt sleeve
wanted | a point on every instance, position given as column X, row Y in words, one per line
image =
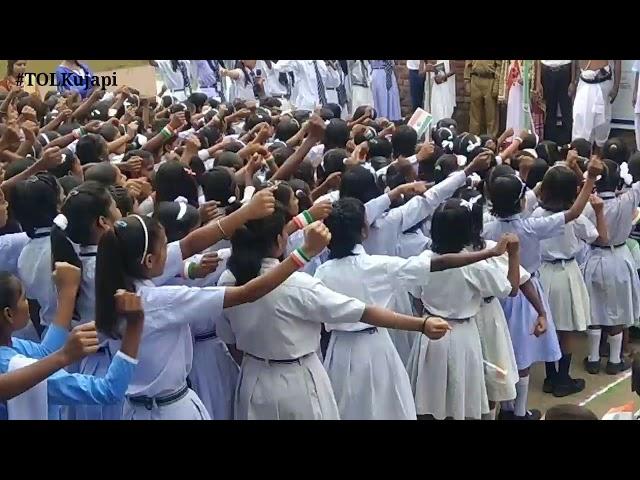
column 74, row 388
column 53, row 340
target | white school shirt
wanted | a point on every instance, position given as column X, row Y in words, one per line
column 34, row 270
column 285, row 323
column 372, row 279
column 530, row 231
column 413, row 64
column 244, row 89
column 11, row 246
column 306, row 81
column 618, row 213
column 386, row 230
column 272, row 85
column 569, row 245
column 459, row 293
column 173, row 80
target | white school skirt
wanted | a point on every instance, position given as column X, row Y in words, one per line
column 214, row 376
column 498, row 350
column 369, row 380
column 284, row 391
column 613, row 285
column 567, row 295
column 403, row 340
column 360, row 96
column 189, row 407
column 447, row 375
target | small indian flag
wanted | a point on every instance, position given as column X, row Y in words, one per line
column 625, row 412
column 420, row 121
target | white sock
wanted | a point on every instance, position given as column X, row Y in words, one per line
column 594, row 344
column 489, row 416
column 522, row 392
column 615, row 346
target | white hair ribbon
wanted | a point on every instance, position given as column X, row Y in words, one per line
column 46, row 139
column 231, row 200
column 531, row 152
column 183, row 207
column 624, row 173
column 585, row 175
column 447, row 145
column 473, row 145
column 61, row 221
column 475, row 179
column 141, row 140
column 462, row 160
column 471, row 202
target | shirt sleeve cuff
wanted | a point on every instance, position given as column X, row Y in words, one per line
column 203, row 154
column 126, row 357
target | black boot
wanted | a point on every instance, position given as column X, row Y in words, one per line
column 565, row 385
column 549, row 381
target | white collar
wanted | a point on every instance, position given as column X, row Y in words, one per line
column 268, row 263
column 359, row 250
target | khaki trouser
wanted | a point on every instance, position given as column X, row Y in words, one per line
column 483, row 110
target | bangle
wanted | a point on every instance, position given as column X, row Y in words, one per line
column 519, row 139
column 299, row 257
column 303, row 219
column 424, row 324
column 187, row 271
column 224, row 234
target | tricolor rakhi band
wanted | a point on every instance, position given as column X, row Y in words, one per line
column 166, row 132
column 299, row 257
column 303, row 219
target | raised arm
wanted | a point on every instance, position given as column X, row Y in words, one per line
column 594, row 169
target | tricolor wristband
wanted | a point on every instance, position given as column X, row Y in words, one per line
column 167, row 133
column 188, row 270
column 299, row 257
column 79, row 132
column 303, row 219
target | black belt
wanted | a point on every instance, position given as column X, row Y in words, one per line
column 370, row 330
column 484, row 75
column 330, row 88
column 557, row 69
column 358, row 84
column 41, row 235
column 488, row 299
column 287, row 361
column 429, row 314
column 608, row 246
column 148, row 402
column 205, row 336
column 560, row 260
column 602, row 76
column 283, row 95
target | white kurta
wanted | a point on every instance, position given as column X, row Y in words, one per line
column 592, row 110
column 285, row 325
column 443, row 97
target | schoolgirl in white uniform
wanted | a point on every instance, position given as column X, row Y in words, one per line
column 35, row 203
column 310, row 75
column 272, row 85
column 610, row 273
column 88, row 212
column 281, row 376
column 359, row 81
column 447, row 375
column 135, row 252
column 368, row 377
column 560, row 274
column 177, row 76
column 244, row 79
column 11, row 244
column 62, row 388
column 534, row 339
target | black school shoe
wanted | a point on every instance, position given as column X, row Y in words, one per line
column 548, row 385
column 568, row 387
column 615, row 368
column 592, row 367
column 530, row 415
column 634, row 332
column 505, row 415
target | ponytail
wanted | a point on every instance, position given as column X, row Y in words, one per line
column 251, row 243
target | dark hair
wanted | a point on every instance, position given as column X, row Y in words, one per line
column 119, row 262
column 212, row 134
column 335, row 109
column 582, row 146
column 615, row 149
column 358, row 112
column 18, row 166
column 10, row 289
column 252, row 242
column 442, row 134
column 124, row 201
column 306, row 172
column 100, row 111
column 109, row 132
column 286, row 129
column 198, row 99
column 173, row 180
column 176, row 228
column 359, row 183
column 333, row 161
column 559, row 189
column 336, row 135
column 302, row 191
column 449, row 123
column 67, row 164
column 301, row 116
column 452, row 227
column 610, row 178
column 68, row 183
column 35, row 202
column 104, row 172
column 445, row 166
column 229, row 159
column 380, row 147
column 470, row 146
column 530, row 140
column 45, row 138
column 326, row 114
column 281, row 154
column 569, row 411
column 219, row 184
column 634, row 166
column 234, row 146
column 379, row 162
column 83, row 207
column 256, row 118
column 505, row 192
column 477, row 212
column 404, row 141
column 283, row 193
column 345, row 222
column 537, row 172
column 91, row 149
column 548, row 151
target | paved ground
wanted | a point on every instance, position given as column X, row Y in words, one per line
column 598, row 398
